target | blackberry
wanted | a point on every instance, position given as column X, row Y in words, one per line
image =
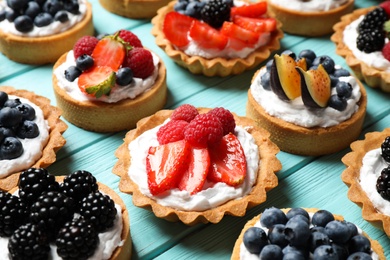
column 13, row 213
column 77, row 239
column 373, row 20
column 78, row 185
column 385, row 147
column 33, row 182
column 371, row 40
column 215, row 12
column 28, row 242
column 99, row 209
column 383, row 184
column 51, row 211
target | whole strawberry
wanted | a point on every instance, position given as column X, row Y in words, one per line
column 140, row 61
column 85, row 45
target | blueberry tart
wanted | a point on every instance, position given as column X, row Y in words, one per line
column 135, row 9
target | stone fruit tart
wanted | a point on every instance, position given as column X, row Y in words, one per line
column 196, row 165
column 108, row 84
column 30, row 133
column 300, row 233
column 367, row 175
column 40, row 31
column 71, row 217
column 216, row 37
column 361, row 38
column 309, row 105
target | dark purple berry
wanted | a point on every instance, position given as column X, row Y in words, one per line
column 72, row 73
column 385, row 149
column 255, row 239
column 10, row 148
column 43, row 19
column 84, row 62
column 124, row 76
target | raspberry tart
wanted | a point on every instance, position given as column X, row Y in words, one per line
column 135, row 9
column 30, row 28
column 303, row 233
column 309, row 105
column 361, row 38
column 108, row 84
column 216, row 38
column 30, row 133
column 214, row 163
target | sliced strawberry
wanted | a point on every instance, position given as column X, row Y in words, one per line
column 237, row 44
column 257, row 25
column 227, row 161
column 97, row 81
column 165, row 165
column 176, row 27
column 234, row 31
column 196, row 173
column 109, row 51
column 250, row 10
column 207, row 37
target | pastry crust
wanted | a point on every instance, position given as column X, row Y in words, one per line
column 309, row 23
column 56, row 140
column 266, row 178
column 217, row 66
column 46, row 49
column 373, row 77
column 309, row 141
column 351, row 176
column 375, row 246
column 99, row 116
column 137, row 9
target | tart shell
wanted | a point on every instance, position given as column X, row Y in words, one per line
column 136, row 9
column 266, row 179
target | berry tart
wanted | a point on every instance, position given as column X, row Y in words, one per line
column 368, row 174
column 309, row 18
column 87, row 219
column 300, row 233
column 217, row 37
column 108, row 84
column 29, row 29
column 196, row 165
column 361, row 38
column 136, row 9
column 30, row 133
column 309, row 105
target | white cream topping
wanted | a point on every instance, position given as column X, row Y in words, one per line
column 212, row 195
column 297, row 113
column 373, row 59
column 32, row 147
column 131, row 91
column 310, row 5
column 54, row 28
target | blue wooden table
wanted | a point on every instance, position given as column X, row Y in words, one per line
column 303, row 181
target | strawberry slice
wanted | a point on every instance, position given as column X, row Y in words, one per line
column 97, row 81
column 250, row 10
column 196, row 173
column 257, row 25
column 109, row 51
column 165, row 165
column 207, row 37
column 227, row 161
column 176, row 27
column 234, row 31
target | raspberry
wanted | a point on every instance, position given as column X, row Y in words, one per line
column 172, row 131
column 130, row 38
column 204, row 129
column 226, row 118
column 140, row 61
column 84, row 45
column 386, row 51
column 185, row 112
column 386, row 6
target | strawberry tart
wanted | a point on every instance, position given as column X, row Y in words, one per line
column 196, row 165
column 108, row 84
column 362, row 39
column 30, row 28
column 309, row 105
column 135, row 9
column 216, row 38
column 30, row 133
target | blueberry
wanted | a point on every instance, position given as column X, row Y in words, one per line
column 72, row 7
column 24, row 23
column 10, row 117
column 11, row 15
column 289, row 53
column 40, row 2
column 321, row 218
column 12, row 102
column 272, row 216
column 352, row 228
column 333, row 81
column 338, row 231
column 255, row 239
column 276, row 235
column 268, row 65
column 7, row 132
column 297, row 251
column 326, row 61
column 193, row 9
column 344, row 89
column 11, row 148
column 52, row 7
column 293, row 256
column 2, row 15
column 180, row 6
column 317, row 229
column 43, row 19
column 318, row 239
column 124, row 76
column 325, row 252
column 359, row 243
column 359, row 256
column 297, row 232
column 297, row 211
column 302, row 218
column 3, row 98
column 61, row 16
column 341, row 250
column 72, row 73
column 17, row 4
column 33, row 9
column 271, row 252
column 307, row 54
column 337, row 102
column 27, row 111
column 265, row 80
column 84, row 62
column 28, row 129
column 341, row 73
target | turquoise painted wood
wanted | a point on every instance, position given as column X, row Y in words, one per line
column 303, row 181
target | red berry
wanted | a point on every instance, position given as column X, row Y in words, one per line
column 226, row 118
column 84, row 45
column 185, row 112
column 207, row 37
column 130, row 38
column 204, row 129
column 140, row 61
column 386, row 51
column 172, row 131
column 386, row 5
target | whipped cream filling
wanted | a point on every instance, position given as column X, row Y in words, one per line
column 373, row 59
column 212, row 194
column 32, row 148
column 309, row 5
column 131, row 91
column 297, row 113
column 54, row 28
